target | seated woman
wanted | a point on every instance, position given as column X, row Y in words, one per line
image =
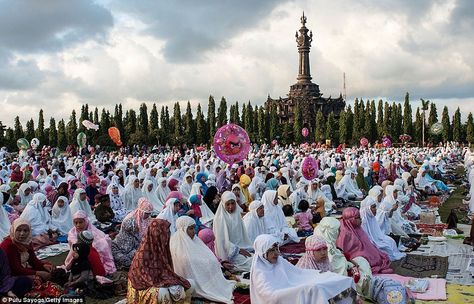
column 21, row 256
column 79, row 203
column 368, row 209
column 348, row 188
column 61, row 216
column 193, row 260
column 102, row 242
column 4, row 220
column 389, row 217
column 376, row 288
column 275, row 223
column 316, row 255
column 232, row 240
column 275, row 280
column 150, row 193
column 170, row 213
column 151, row 278
column 354, row 242
column 116, row 202
column 24, row 197
column 43, row 231
column 12, row 286
column 103, row 212
column 254, row 220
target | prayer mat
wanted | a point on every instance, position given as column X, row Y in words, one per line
column 421, row 266
column 239, row 298
column 456, row 294
column 293, row 248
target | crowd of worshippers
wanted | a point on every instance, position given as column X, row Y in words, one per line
column 185, row 224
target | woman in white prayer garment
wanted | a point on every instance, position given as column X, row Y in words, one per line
column 254, row 220
column 368, row 209
column 194, row 261
column 273, row 280
column 275, row 223
column 232, row 242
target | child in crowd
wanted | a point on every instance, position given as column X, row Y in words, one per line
column 81, row 270
column 304, row 218
column 288, row 212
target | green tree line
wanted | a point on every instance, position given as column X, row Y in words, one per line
column 178, row 126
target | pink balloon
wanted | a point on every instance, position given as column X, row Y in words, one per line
column 309, row 168
column 274, row 142
column 364, row 141
column 231, row 143
column 387, row 142
column 305, row 132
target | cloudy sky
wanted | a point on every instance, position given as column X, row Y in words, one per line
column 58, row 55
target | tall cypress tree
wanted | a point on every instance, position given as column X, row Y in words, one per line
column 177, row 124
column 331, row 128
column 320, row 130
column 274, row 123
column 53, row 133
column 457, row 129
column 349, row 123
column 189, row 128
column 39, row 133
column 201, row 134
column 84, row 116
column 380, row 117
column 71, row 130
column 154, row 122
column 370, row 130
column 244, row 118
column 261, row 124
column 62, row 136
column 343, row 127
column 433, row 116
column 131, row 122
column 30, row 129
column 18, row 129
column 250, row 126
column 446, row 134
column 418, row 126
column 356, row 127
column 470, row 129
column 298, row 125
column 387, row 114
column 407, row 116
column 222, row 113
column 211, row 117
column 143, row 119
column 163, row 137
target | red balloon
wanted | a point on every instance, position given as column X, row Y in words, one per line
column 114, row 134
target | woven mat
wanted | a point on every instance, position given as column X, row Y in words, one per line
column 293, row 248
column 420, row 266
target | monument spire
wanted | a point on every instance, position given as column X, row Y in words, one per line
column 303, row 41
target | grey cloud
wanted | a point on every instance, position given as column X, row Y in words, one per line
column 35, row 26
column 190, row 28
column 19, row 75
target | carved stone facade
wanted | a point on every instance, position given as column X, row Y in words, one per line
column 304, row 92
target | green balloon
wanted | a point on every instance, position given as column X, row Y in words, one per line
column 436, row 128
column 22, row 144
column 81, row 139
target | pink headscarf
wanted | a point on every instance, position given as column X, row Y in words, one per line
column 307, row 261
column 354, row 241
column 103, row 186
column 172, row 184
column 207, row 237
column 102, row 243
column 144, row 206
column 176, row 195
